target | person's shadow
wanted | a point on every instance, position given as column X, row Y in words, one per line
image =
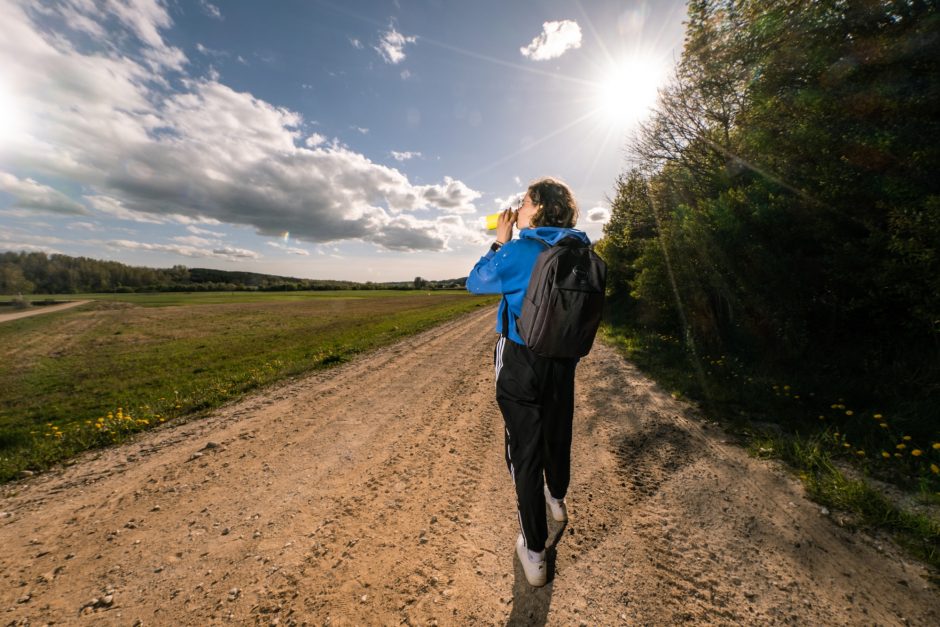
column 530, row 605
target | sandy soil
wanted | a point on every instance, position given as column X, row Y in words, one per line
column 376, row 493
column 5, row 317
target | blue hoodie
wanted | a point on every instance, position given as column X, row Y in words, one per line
column 507, row 270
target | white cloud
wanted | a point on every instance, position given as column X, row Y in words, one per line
column 598, row 214
column 84, row 226
column 195, row 240
column 22, row 246
column 142, row 18
column 210, row 52
column 355, row 43
column 198, row 231
column 115, row 208
column 362, row 130
column 405, row 75
column 404, row 156
column 392, row 45
column 314, row 140
column 513, row 200
column 235, row 253
column 210, row 9
column 15, row 238
column 225, row 252
column 28, row 194
column 201, row 153
column 290, row 249
column 555, row 40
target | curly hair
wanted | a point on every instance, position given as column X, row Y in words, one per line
column 554, row 202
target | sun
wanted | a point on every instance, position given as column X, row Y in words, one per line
column 627, row 92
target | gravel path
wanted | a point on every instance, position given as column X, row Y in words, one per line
column 35, row 311
column 376, row 494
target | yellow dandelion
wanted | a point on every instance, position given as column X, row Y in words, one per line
column 822, row 417
column 897, row 454
column 834, row 406
column 917, row 452
column 786, row 387
column 860, row 453
column 847, row 445
column 877, row 416
column 883, row 425
column 901, row 446
column 935, row 469
column 849, row 412
column 796, row 396
column 886, row 454
column 936, row 446
column 906, row 438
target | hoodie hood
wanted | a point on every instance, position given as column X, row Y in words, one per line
column 551, row 235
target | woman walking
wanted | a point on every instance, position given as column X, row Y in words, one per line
column 534, row 393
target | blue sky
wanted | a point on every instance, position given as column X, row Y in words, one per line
column 335, row 140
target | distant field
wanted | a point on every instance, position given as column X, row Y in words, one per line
column 162, row 299
column 160, row 356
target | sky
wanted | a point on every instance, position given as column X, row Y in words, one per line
column 355, row 140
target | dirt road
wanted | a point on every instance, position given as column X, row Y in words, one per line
column 5, row 317
column 376, row 493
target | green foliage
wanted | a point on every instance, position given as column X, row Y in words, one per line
column 785, row 208
column 38, row 273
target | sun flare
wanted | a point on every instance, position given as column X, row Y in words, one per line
column 627, row 92
column 11, row 118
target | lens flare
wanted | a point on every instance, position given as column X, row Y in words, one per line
column 285, row 236
column 12, row 119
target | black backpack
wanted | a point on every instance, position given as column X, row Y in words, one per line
column 564, row 300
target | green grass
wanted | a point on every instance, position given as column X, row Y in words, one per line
column 163, row 356
column 820, row 438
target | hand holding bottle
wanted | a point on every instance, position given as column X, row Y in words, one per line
column 504, row 223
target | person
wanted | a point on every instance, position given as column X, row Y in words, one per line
column 535, row 394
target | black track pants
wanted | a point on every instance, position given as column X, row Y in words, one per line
column 536, row 396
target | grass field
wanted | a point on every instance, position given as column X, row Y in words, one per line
column 163, row 299
column 91, row 375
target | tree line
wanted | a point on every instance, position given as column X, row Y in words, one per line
column 39, row 273
column 783, row 201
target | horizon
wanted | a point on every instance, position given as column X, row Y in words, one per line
column 310, row 140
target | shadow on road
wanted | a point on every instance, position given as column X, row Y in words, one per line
column 530, row 605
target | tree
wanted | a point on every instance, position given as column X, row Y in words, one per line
column 12, row 280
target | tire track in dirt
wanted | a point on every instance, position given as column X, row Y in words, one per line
column 376, row 493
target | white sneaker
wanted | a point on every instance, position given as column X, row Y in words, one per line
column 558, row 507
column 536, row 572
